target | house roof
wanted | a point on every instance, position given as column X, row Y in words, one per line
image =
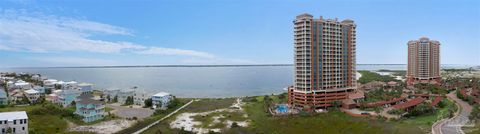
column 161, row 94
column 31, row 91
column 89, row 101
column 436, row 101
column 13, row 115
column 380, row 103
column 410, row 103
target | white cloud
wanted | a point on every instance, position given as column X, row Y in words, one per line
column 23, row 31
column 74, row 61
column 174, row 51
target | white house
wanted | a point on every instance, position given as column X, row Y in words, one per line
column 20, row 84
column 122, row 95
column 16, row 121
column 71, row 85
column 49, row 84
column 40, row 89
column 32, row 95
column 161, row 100
column 140, row 97
column 85, row 87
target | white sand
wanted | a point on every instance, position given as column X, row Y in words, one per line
column 186, row 121
column 107, row 127
column 358, row 75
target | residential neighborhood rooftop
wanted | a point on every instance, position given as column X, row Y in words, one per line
column 13, row 115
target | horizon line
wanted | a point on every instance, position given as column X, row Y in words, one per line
column 206, row 65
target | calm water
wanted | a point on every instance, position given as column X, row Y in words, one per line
column 190, row 81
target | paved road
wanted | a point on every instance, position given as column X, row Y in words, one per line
column 156, row 122
column 453, row 125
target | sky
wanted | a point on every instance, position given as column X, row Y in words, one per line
column 191, row 32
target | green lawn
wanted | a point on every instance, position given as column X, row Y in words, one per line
column 43, row 124
column 429, row 119
column 209, row 104
column 368, row 76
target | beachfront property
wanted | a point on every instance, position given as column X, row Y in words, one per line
column 49, row 84
column 17, row 122
column 85, row 87
column 140, row 97
column 161, row 100
column 324, row 61
column 88, row 108
column 16, row 95
column 20, row 84
column 3, row 97
column 39, row 89
column 111, row 93
column 123, row 94
column 423, row 61
column 71, row 85
column 32, row 95
column 66, row 97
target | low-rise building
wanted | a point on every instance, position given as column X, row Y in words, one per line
column 32, row 95
column 66, row 97
column 124, row 94
column 140, row 97
column 161, row 100
column 88, row 108
column 20, row 84
column 16, row 95
column 39, row 89
column 85, row 87
column 3, row 97
column 17, row 122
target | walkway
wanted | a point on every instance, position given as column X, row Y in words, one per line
column 453, row 125
column 156, row 122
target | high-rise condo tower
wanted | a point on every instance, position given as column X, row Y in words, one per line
column 324, row 61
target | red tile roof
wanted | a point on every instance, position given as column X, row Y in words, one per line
column 380, row 103
column 436, row 101
column 410, row 103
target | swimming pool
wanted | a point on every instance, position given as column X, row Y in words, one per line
column 282, row 108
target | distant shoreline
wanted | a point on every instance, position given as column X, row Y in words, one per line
column 143, row 66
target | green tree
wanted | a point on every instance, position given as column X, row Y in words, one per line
column 148, row 102
column 115, row 99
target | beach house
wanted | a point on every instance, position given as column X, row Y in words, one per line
column 66, row 97
column 123, row 94
column 3, row 97
column 140, row 97
column 85, row 87
column 88, row 108
column 32, row 95
column 161, row 100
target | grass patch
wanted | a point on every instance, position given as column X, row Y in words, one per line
column 209, row 104
column 368, row 76
column 46, row 123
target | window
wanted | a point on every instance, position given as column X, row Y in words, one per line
column 3, row 130
column 23, row 128
column 14, row 122
column 25, row 121
column 21, row 121
column 1, row 122
column 14, row 130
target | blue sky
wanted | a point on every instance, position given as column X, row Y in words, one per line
column 90, row 33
